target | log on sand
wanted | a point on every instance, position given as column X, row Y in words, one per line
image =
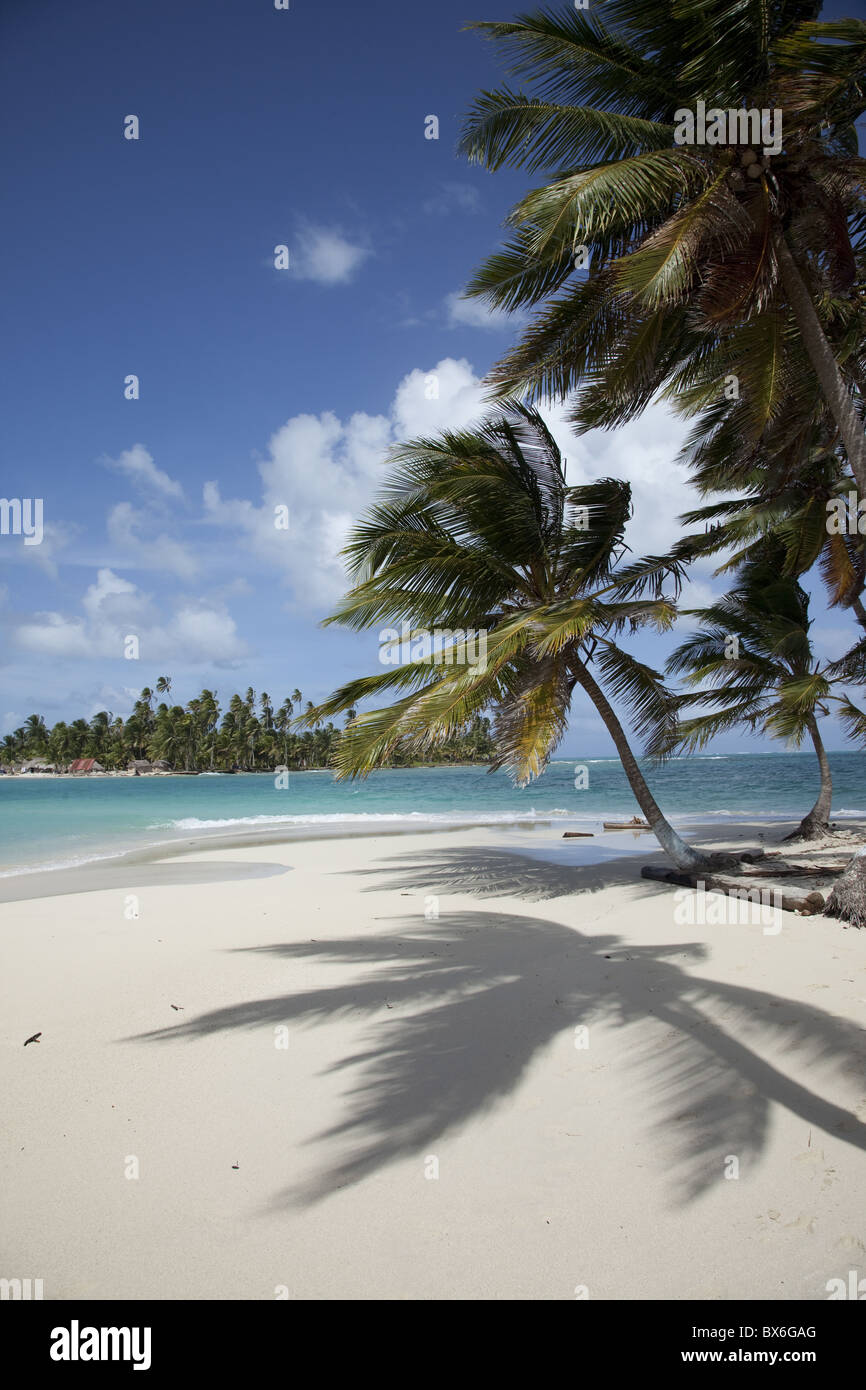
column 767, row 868
column 791, row 900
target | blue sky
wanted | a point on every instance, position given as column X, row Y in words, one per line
column 258, row 387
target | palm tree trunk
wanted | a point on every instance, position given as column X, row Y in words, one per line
column 674, row 846
column 817, row 822
column 836, row 393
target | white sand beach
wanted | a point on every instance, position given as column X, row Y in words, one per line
column 430, row 1129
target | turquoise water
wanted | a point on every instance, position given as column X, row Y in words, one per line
column 67, row 820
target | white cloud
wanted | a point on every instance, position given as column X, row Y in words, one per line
column 449, row 396
column 323, row 254
column 643, row 453
column 119, row 700
column 113, row 608
column 327, row 473
column 53, row 635
column 111, row 595
column 474, row 313
column 56, row 536
column 155, row 552
column 138, row 465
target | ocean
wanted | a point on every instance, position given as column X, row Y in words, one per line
column 55, row 822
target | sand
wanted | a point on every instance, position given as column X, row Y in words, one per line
column 554, row 1089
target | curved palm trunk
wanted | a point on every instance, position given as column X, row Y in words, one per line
column 817, row 822
column 674, row 846
column 826, row 367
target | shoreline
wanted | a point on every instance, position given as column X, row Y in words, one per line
column 405, row 767
column 372, row 824
column 212, row 772
column 94, row 874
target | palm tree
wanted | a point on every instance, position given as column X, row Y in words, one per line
column 191, row 736
column 58, row 743
column 694, row 251
column 479, row 532
column 117, row 755
column 100, row 726
column 234, row 726
column 79, row 732
column 163, row 685
column 282, row 720
column 36, row 734
column 789, row 504
column 210, row 713
column 754, row 662
column 169, row 735
column 253, row 735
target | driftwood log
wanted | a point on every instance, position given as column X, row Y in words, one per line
column 791, row 900
column 768, row 869
column 578, row 834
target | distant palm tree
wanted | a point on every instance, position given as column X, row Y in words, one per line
column 36, row 734
column 100, row 726
column 479, row 531
column 191, row 737
column 59, row 743
column 163, row 685
column 753, row 660
column 79, row 732
column 282, row 722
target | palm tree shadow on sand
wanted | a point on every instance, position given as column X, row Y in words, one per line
column 457, row 1009
column 531, row 873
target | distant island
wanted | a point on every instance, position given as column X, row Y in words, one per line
column 251, row 734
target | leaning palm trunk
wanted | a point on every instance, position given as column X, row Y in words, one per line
column 817, row 823
column 826, row 367
column 674, row 846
